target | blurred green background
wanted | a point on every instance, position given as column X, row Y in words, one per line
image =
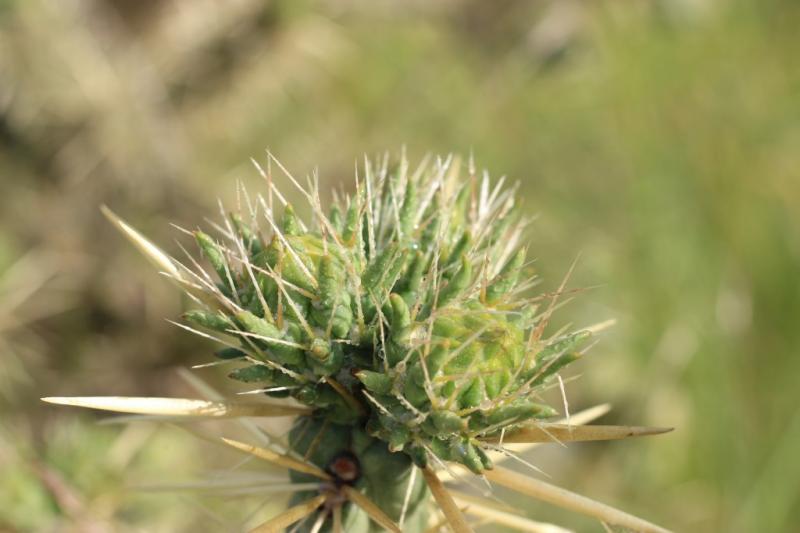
column 658, row 140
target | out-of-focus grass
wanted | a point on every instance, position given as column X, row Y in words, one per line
column 659, row 140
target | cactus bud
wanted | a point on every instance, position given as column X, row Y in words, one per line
column 397, row 319
column 213, row 253
column 210, row 319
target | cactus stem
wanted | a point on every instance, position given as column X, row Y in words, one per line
column 368, row 181
column 297, row 261
column 399, row 316
column 378, row 404
column 420, row 415
column 525, row 388
column 249, row 268
column 265, row 338
column 229, row 280
column 469, row 374
column 298, row 313
column 202, row 290
column 250, row 356
column 452, row 355
column 382, row 333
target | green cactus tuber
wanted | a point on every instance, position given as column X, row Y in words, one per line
column 400, row 319
column 410, row 306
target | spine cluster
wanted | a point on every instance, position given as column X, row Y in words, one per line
column 402, row 322
column 401, row 310
column 401, row 315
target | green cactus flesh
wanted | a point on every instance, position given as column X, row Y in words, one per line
column 401, row 317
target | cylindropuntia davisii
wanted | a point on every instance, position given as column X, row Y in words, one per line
column 400, row 321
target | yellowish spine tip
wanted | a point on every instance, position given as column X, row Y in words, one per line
column 152, row 252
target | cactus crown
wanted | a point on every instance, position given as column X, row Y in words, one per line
column 400, row 320
column 400, row 310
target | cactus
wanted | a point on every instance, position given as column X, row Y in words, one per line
column 399, row 321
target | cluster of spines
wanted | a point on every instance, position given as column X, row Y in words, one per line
column 403, row 300
column 371, row 344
